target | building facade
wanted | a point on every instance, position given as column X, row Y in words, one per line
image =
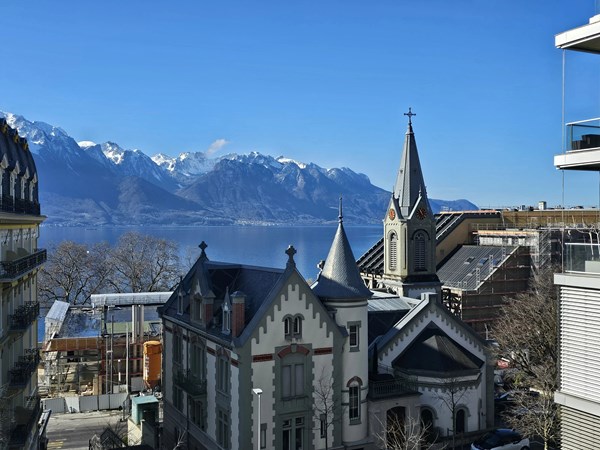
column 20, row 260
column 579, row 309
column 255, row 357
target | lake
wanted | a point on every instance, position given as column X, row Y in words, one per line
column 254, row 245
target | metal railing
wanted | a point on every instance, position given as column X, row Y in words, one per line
column 20, row 375
column 9, row 270
column 23, row 428
column 23, row 317
column 189, row 382
column 397, row 383
column 20, row 206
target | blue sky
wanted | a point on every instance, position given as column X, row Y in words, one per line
column 321, row 81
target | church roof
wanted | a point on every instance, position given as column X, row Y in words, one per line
column 409, row 180
column 434, row 351
column 340, row 278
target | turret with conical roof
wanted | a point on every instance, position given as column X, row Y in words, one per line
column 409, row 228
column 345, row 295
column 340, row 278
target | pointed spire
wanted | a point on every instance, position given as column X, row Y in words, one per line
column 339, row 277
column 409, row 181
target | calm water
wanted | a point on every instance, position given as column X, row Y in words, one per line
column 261, row 246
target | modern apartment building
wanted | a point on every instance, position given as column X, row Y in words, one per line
column 20, row 260
column 579, row 391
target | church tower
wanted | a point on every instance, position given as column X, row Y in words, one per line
column 409, row 228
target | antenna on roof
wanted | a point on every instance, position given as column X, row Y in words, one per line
column 341, row 215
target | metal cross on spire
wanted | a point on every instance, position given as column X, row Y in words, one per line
column 410, row 114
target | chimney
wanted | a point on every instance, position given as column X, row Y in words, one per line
column 238, row 314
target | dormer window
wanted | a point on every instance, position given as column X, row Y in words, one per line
column 226, row 319
column 197, row 308
column 180, row 302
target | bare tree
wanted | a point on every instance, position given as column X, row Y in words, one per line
column 406, row 433
column 327, row 407
column 527, row 336
column 73, row 272
column 144, row 263
column 451, row 395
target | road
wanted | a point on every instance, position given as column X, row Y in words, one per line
column 73, row 431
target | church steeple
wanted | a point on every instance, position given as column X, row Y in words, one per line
column 409, row 180
column 410, row 228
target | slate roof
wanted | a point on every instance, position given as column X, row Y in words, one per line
column 434, row 351
column 16, row 150
column 409, row 180
column 460, row 270
column 385, row 310
column 340, row 278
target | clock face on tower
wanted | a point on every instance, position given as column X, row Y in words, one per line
column 421, row 213
column 392, row 214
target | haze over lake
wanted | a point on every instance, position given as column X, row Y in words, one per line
column 255, row 245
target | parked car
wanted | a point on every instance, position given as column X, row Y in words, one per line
column 501, row 439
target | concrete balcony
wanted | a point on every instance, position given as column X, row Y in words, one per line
column 23, row 317
column 12, row 270
column 583, row 146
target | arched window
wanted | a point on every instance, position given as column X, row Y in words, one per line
column 393, row 251
column 427, row 420
column 460, row 425
column 420, row 251
column 354, row 402
column 297, row 326
column 287, row 327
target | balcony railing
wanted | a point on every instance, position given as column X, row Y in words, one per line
column 389, row 383
column 9, row 270
column 19, row 206
column 20, row 374
column 189, row 382
column 28, row 418
column 583, row 135
column 23, row 317
column 584, row 258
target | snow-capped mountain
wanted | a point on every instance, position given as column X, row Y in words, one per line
column 185, row 166
column 87, row 183
column 129, row 163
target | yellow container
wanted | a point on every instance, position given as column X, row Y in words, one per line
column 152, row 362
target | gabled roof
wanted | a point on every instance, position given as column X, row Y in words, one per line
column 260, row 285
column 340, row 278
column 409, row 180
column 434, row 351
column 417, row 312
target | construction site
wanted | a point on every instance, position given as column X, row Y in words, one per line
column 486, row 256
column 111, row 346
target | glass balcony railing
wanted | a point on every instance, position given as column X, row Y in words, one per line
column 584, row 258
column 583, row 135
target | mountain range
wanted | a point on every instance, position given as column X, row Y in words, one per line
column 90, row 184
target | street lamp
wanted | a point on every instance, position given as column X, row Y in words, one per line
column 258, row 392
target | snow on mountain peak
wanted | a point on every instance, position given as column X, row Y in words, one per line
column 284, row 160
column 86, row 144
